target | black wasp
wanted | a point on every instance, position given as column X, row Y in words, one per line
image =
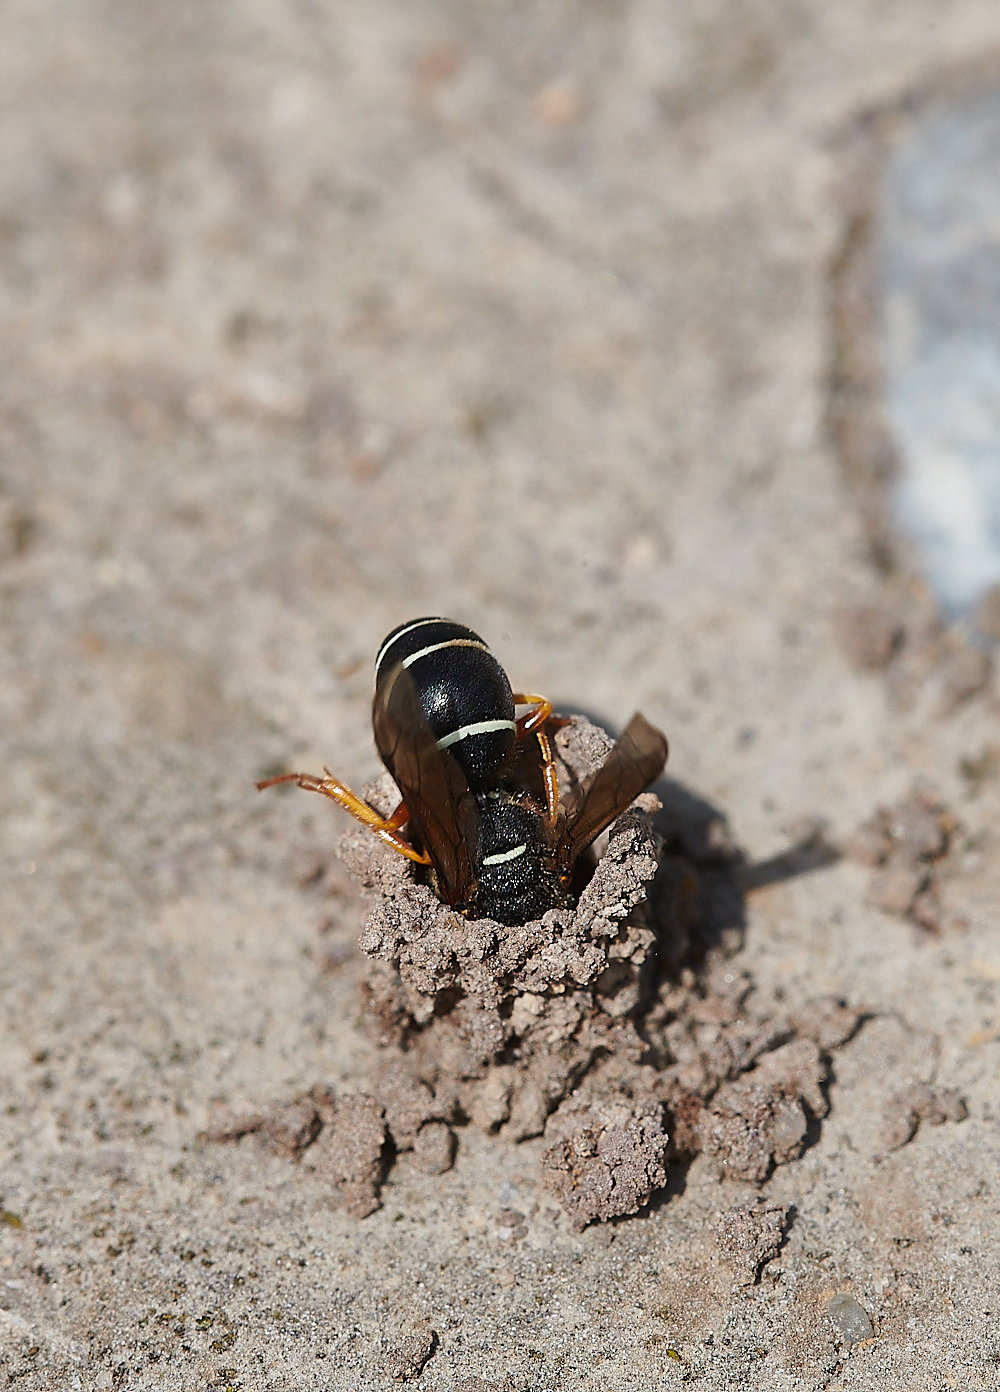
column 446, row 729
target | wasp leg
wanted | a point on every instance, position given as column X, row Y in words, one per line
column 541, row 715
column 549, row 778
column 533, row 723
column 534, row 719
column 398, row 819
column 385, row 828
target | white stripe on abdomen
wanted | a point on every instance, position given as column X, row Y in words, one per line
column 448, row 643
column 391, row 643
column 501, row 856
column 481, row 727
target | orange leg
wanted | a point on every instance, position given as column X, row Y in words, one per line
column 385, row 828
column 533, row 724
column 535, row 719
column 549, row 778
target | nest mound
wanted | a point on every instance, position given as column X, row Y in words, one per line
column 614, row 1029
column 506, row 1019
column 584, row 1026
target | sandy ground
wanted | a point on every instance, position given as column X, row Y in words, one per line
column 318, row 316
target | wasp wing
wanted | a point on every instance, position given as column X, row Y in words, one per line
column 432, row 785
column 636, row 760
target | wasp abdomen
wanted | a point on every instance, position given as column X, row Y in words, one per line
column 463, row 690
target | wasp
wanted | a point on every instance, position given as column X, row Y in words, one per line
column 446, row 728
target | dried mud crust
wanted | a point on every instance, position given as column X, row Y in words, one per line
column 616, row 1030
column 584, row 1026
column 907, row 845
column 345, row 1139
column 920, row 1102
column 749, row 1236
column 610, row 1155
column 407, row 1361
column 504, row 1021
column 434, row 953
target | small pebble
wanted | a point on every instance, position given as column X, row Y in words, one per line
column 434, row 1148
column 850, row 1318
column 407, row 1361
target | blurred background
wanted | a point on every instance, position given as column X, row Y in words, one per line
column 655, row 340
column 319, row 317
